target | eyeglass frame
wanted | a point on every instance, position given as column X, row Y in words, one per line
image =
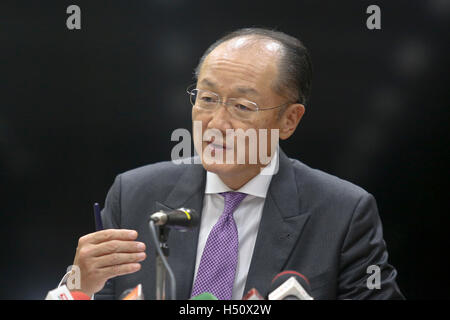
column 220, row 101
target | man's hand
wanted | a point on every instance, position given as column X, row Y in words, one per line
column 106, row 254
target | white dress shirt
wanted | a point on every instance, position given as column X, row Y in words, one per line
column 247, row 216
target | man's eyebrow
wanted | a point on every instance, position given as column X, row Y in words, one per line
column 242, row 90
column 247, row 90
column 208, row 83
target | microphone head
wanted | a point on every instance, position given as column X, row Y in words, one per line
column 282, row 277
column 183, row 219
column 290, row 285
column 60, row 293
column 133, row 293
column 204, row 296
column 253, row 294
column 78, row 295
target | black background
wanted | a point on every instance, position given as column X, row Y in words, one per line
column 80, row 106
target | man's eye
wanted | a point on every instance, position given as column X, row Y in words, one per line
column 242, row 107
column 207, row 99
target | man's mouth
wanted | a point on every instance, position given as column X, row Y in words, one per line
column 217, row 145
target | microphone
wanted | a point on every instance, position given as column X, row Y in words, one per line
column 253, row 294
column 63, row 293
column 290, row 285
column 204, row 296
column 133, row 294
column 182, row 219
column 78, row 295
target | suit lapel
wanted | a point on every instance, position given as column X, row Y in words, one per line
column 281, row 225
column 188, row 193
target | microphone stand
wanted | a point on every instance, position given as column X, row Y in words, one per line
column 162, row 266
column 160, row 269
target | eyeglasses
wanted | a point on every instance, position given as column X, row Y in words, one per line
column 239, row 108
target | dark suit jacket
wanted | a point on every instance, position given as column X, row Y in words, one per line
column 319, row 225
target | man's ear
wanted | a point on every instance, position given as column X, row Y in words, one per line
column 290, row 119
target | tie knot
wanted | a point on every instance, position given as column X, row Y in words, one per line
column 232, row 200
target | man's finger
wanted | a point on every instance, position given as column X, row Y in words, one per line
column 109, row 234
column 119, row 246
column 119, row 259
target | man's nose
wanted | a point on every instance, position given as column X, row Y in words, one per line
column 220, row 119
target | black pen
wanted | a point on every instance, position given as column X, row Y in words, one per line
column 98, row 217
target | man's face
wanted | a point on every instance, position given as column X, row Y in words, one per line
column 238, row 68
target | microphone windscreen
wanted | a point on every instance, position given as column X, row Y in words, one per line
column 133, row 294
column 253, row 294
column 78, row 295
column 282, row 277
column 205, row 296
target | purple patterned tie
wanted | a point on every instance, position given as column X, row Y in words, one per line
column 219, row 259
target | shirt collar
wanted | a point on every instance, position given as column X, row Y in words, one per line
column 257, row 186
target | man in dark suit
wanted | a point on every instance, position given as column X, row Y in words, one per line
column 256, row 219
